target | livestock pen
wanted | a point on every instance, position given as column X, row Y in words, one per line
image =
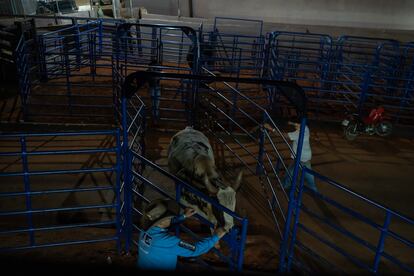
column 98, row 74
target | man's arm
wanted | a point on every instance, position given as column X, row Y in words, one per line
column 188, row 212
column 185, row 249
column 270, row 128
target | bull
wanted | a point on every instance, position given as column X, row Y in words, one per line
column 190, row 157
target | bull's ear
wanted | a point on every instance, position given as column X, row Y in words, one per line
column 209, row 186
column 237, row 184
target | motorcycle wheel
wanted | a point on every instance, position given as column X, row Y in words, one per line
column 383, row 128
column 351, row 131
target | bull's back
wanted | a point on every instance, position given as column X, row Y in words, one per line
column 185, row 145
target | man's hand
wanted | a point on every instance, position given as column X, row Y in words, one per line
column 269, row 127
column 189, row 212
column 220, row 232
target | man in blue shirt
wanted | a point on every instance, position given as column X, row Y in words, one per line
column 158, row 249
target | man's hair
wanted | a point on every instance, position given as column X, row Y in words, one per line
column 296, row 120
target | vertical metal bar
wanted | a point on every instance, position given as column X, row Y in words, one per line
column 144, row 126
column 365, row 87
column 127, row 178
column 100, row 36
column 77, row 44
column 42, row 58
column 234, row 248
column 130, row 9
column 177, row 199
column 118, row 188
column 160, row 46
column 153, row 43
column 23, row 75
column 259, row 167
column 67, row 71
column 180, row 51
column 92, row 54
column 296, row 220
column 232, row 118
column 125, row 50
column 243, row 236
column 27, row 189
column 139, row 40
column 116, row 8
column 380, row 246
column 291, row 205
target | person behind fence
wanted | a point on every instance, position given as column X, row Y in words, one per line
column 305, row 158
column 158, row 249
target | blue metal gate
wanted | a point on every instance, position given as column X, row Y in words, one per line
column 34, row 207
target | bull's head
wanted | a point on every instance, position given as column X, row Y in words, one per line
column 225, row 193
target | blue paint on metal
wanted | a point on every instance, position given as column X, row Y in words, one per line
column 26, row 181
column 30, row 212
column 342, row 72
column 383, row 230
column 292, row 202
column 380, row 247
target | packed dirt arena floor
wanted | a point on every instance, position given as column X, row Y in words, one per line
column 378, row 168
column 374, row 167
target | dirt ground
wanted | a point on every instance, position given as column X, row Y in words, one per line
column 378, row 168
column 375, row 167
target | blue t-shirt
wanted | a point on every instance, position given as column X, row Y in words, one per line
column 158, row 250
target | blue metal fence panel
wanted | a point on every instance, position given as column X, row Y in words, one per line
column 36, row 199
column 140, row 190
column 366, row 69
column 404, row 112
column 350, row 74
column 233, row 54
column 355, row 73
column 303, row 58
column 350, row 242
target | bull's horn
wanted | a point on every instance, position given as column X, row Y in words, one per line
column 209, row 186
column 237, row 184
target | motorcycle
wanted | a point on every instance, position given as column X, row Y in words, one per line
column 374, row 123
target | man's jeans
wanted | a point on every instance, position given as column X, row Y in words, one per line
column 309, row 178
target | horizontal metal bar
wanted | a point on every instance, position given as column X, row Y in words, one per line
column 57, row 227
column 60, row 152
column 59, row 172
column 99, row 188
column 114, row 238
column 81, row 133
column 66, row 209
column 356, row 195
column 185, row 186
column 353, row 259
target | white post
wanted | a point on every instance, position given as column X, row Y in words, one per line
column 130, row 9
column 116, row 8
column 57, row 7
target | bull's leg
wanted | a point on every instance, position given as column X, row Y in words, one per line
column 228, row 222
column 214, row 221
